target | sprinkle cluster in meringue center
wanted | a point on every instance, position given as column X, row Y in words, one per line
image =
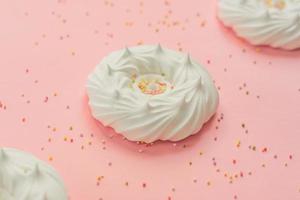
column 151, row 84
column 279, row 4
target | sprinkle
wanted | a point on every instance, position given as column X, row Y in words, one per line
column 141, row 150
column 50, row 158
column 264, row 150
column 144, row 185
column 238, row 143
column 241, row 174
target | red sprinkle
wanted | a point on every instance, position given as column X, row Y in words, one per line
column 241, row 174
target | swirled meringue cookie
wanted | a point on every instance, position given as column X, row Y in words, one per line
column 24, row 177
column 274, row 23
column 148, row 93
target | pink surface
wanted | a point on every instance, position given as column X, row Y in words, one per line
column 250, row 150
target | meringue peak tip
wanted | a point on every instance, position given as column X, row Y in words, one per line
column 158, row 48
column 117, row 93
column 199, row 82
column 3, row 154
column 243, row 2
column 267, row 14
column 109, row 69
column 188, row 60
column 36, row 170
column 149, row 106
column 127, row 52
column 297, row 18
column 182, row 101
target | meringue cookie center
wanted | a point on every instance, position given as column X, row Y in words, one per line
column 151, row 84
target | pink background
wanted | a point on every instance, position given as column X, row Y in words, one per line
column 48, row 48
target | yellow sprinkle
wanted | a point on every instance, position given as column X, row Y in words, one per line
column 50, row 158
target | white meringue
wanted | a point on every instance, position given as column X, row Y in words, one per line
column 274, row 23
column 24, row 177
column 148, row 93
